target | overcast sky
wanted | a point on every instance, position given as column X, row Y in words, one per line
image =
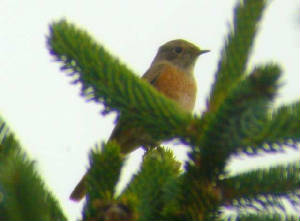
column 57, row 127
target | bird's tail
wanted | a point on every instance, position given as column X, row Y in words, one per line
column 80, row 190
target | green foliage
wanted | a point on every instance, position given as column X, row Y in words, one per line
column 264, row 217
column 270, row 186
column 106, row 164
column 237, row 48
column 152, row 185
column 281, row 128
column 23, row 195
column 238, row 120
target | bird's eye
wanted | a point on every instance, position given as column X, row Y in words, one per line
column 178, row 50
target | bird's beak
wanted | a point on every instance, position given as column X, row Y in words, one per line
column 203, row 51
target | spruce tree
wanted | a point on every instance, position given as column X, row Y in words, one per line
column 239, row 119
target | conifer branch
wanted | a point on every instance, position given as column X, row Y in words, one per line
column 263, row 217
column 4, row 130
column 105, row 164
column 235, row 54
column 104, row 79
column 151, row 186
column 237, row 118
column 21, row 188
column 105, row 167
column 281, row 130
column 270, row 185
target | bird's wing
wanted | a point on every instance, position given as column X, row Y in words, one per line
column 154, row 72
column 119, row 132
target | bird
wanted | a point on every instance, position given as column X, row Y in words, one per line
column 171, row 73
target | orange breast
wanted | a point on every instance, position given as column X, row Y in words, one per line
column 178, row 86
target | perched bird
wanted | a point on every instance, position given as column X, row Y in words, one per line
column 171, row 73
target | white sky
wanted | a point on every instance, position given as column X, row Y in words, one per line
column 57, row 127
